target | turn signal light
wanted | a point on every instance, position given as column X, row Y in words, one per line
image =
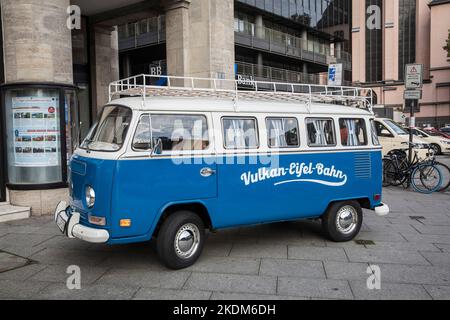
column 99, row 221
column 125, row 223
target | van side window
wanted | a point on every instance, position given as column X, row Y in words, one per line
column 353, row 132
column 320, row 132
column 240, row 133
column 177, row 132
column 282, row 132
column 375, row 140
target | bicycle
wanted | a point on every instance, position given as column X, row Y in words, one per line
column 423, row 175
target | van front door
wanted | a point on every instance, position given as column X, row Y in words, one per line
column 183, row 172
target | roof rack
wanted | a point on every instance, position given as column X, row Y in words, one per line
column 156, row 86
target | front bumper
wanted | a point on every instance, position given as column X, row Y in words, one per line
column 382, row 210
column 70, row 226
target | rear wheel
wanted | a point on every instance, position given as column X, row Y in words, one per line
column 180, row 240
column 426, row 178
column 342, row 221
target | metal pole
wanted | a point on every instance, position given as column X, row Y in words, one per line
column 411, row 135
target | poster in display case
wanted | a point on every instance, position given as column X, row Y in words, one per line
column 36, row 131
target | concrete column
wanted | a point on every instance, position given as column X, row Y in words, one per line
column 305, row 40
column 338, row 50
column 200, row 39
column 177, row 38
column 105, row 64
column 260, row 65
column 259, row 27
column 37, row 43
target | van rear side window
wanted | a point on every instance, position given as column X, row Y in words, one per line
column 240, row 133
column 320, row 132
column 353, row 132
column 177, row 132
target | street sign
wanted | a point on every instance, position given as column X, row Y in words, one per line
column 335, row 74
column 413, row 94
column 413, row 76
column 409, row 104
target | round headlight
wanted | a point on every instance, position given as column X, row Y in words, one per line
column 90, row 196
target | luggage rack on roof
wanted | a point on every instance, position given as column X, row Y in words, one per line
column 156, row 86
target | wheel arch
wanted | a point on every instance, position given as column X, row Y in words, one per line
column 198, row 208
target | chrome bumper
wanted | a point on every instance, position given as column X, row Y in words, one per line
column 71, row 227
column 382, row 210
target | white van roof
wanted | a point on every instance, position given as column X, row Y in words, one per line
column 191, row 104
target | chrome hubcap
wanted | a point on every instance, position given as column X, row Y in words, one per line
column 347, row 220
column 187, row 240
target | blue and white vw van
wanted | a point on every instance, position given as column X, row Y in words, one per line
column 167, row 163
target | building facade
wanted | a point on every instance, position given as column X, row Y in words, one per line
column 387, row 35
column 274, row 40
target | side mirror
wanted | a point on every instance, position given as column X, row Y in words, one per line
column 157, row 147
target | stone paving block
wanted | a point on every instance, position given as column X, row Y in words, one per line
column 389, row 291
column 346, row 271
column 385, row 256
column 144, row 278
column 258, row 251
column 439, row 292
column 409, row 274
column 57, row 273
column 392, row 228
column 232, row 283
column 62, row 242
column 10, row 261
column 134, row 260
column 24, row 240
column 171, row 294
column 434, row 230
column 17, row 289
column 314, row 288
column 292, row 268
column 427, row 238
column 69, row 257
column 23, row 273
column 22, row 250
column 437, row 258
column 217, row 248
column 226, row 265
column 442, row 247
column 57, row 291
column 316, row 253
column 251, row 297
column 403, row 246
column 380, row 236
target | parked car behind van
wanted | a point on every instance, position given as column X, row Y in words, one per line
column 393, row 137
column 438, row 144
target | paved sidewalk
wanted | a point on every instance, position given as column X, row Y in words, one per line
column 281, row 261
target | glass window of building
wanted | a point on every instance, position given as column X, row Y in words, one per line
column 374, row 46
column 407, row 35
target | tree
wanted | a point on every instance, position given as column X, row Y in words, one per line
column 447, row 46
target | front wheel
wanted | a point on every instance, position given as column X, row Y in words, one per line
column 180, row 240
column 342, row 221
column 436, row 149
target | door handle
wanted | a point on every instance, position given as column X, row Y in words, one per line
column 207, row 172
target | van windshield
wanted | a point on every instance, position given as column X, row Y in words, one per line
column 396, row 127
column 110, row 132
